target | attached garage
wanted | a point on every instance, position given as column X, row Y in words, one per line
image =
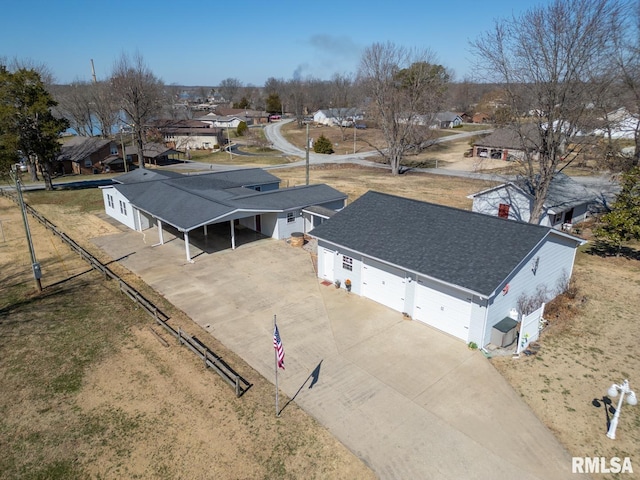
column 384, row 284
column 442, row 307
column 454, row 270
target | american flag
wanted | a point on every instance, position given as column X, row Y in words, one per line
column 277, row 344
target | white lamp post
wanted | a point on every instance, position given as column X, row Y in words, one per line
column 631, row 400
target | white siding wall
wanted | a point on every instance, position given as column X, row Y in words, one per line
column 478, row 318
column 286, row 228
column 120, row 208
column 556, row 256
column 339, row 271
column 193, row 141
column 269, row 224
column 489, row 203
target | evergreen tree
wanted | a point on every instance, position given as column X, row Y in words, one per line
column 323, row 145
column 273, row 103
column 622, row 223
column 241, row 129
column 27, row 126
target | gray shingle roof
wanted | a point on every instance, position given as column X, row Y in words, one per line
column 79, row 148
column 471, row 250
column 510, row 138
column 564, row 192
column 188, row 202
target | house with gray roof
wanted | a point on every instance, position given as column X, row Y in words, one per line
column 567, row 202
column 509, row 143
column 86, row 155
column 338, row 116
column 243, row 199
column 458, row 271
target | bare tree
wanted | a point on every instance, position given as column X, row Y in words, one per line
column 229, row 88
column 139, row 94
column 343, row 109
column 551, row 60
column 105, row 107
column 627, row 60
column 404, row 86
column 74, row 103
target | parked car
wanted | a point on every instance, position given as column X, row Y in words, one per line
column 361, row 126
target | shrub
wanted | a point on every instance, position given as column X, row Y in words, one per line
column 323, row 145
column 241, row 129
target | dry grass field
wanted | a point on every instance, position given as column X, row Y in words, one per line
column 138, row 409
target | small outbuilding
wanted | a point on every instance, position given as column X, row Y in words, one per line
column 458, row 271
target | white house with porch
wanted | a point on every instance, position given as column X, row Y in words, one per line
column 247, row 198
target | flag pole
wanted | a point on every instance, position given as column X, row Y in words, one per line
column 275, row 356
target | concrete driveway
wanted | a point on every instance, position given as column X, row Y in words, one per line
column 412, row 402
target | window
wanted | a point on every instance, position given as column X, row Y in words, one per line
column 503, row 210
column 123, row 208
column 291, row 217
column 347, row 263
column 113, row 149
column 110, row 201
column 88, row 162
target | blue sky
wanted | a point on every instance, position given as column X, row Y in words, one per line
column 203, row 42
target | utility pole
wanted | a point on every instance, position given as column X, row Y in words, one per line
column 307, row 156
column 124, row 154
column 37, row 272
column 93, row 72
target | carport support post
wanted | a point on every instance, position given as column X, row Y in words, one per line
column 206, row 231
column 233, row 235
column 186, row 246
column 160, row 232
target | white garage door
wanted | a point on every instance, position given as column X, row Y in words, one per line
column 384, row 284
column 443, row 308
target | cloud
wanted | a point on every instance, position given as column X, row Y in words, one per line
column 341, row 46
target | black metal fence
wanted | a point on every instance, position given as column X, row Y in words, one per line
column 210, row 359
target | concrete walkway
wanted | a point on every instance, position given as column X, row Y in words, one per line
column 412, row 402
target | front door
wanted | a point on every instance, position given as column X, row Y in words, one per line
column 568, row 216
column 258, row 224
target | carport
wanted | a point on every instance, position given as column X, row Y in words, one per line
column 243, row 198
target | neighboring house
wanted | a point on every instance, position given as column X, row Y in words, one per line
column 86, row 155
column 567, row 202
column 481, row 117
column 247, row 198
column 154, row 153
column 222, row 121
column 188, row 134
column 254, row 117
column 448, row 120
column 437, row 120
column 619, row 124
column 455, row 270
column 506, row 143
column 466, row 117
column 338, row 116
